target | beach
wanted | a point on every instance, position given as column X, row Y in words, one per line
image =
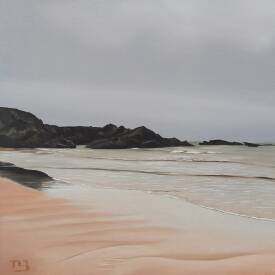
column 59, row 236
column 137, row 137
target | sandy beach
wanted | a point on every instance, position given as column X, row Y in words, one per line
column 137, row 137
column 42, row 235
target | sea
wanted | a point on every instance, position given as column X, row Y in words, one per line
column 237, row 180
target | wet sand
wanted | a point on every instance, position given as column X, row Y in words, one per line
column 54, row 236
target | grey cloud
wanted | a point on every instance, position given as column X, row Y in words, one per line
column 189, row 68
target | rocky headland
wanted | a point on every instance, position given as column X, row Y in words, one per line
column 20, row 129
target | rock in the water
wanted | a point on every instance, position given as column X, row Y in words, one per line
column 267, row 144
column 249, row 144
column 220, row 142
column 31, row 178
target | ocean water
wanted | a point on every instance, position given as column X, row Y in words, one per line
column 234, row 179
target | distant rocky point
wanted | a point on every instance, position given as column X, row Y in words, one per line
column 220, row 142
column 231, row 143
column 19, row 129
column 249, row 144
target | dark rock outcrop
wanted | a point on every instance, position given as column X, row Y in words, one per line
column 76, row 135
column 220, row 142
column 141, row 137
column 19, row 129
column 31, row 178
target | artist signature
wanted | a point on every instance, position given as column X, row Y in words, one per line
column 20, row 265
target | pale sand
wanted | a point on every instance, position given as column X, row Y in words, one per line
column 57, row 237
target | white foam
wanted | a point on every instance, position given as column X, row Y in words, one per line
column 177, row 151
column 194, row 152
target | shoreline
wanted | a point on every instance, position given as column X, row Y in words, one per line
column 58, row 236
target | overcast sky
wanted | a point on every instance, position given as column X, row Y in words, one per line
column 195, row 69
